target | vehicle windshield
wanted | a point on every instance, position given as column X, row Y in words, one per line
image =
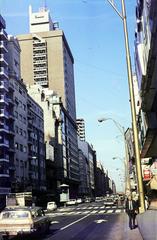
column 15, row 214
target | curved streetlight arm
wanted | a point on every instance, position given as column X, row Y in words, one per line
column 118, row 125
column 111, row 2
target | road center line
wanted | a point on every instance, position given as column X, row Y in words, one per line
column 74, row 222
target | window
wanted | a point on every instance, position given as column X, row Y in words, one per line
column 25, row 149
column 24, row 107
column 21, row 147
column 16, row 129
column 24, row 133
column 24, row 120
column 20, row 131
column 20, row 90
column 16, row 145
column 16, row 114
column 20, row 117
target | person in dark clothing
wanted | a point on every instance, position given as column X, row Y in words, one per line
column 147, row 221
column 131, row 208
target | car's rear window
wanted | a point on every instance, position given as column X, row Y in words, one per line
column 15, row 214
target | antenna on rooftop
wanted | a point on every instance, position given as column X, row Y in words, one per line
column 44, row 6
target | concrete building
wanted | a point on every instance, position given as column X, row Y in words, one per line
column 100, row 180
column 29, row 130
column 87, row 158
column 81, row 128
column 6, row 119
column 61, row 141
column 146, row 67
column 36, row 147
column 46, row 53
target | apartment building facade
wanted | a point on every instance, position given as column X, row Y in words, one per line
column 6, row 119
column 146, row 66
column 25, row 176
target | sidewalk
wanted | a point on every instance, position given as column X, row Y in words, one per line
column 121, row 230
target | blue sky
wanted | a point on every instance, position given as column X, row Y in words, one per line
column 95, row 35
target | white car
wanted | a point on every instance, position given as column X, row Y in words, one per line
column 108, row 202
column 99, row 199
column 79, row 200
column 19, row 221
column 51, row 206
column 71, row 202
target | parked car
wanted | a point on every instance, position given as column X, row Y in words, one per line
column 71, row 202
column 17, row 220
column 109, row 202
column 51, row 206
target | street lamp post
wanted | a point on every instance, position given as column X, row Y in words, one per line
column 126, row 159
column 132, row 102
column 126, row 174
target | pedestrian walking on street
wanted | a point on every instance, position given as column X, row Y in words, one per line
column 147, row 221
column 131, row 208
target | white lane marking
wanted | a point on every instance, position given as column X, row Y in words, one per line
column 94, row 211
column 110, row 211
column 74, row 222
column 54, row 222
column 78, row 208
column 101, row 220
column 107, row 207
column 89, row 207
column 101, row 207
column 85, row 212
column 102, row 211
column 96, row 207
column 118, row 211
column 77, row 212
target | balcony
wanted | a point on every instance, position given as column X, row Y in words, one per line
column 4, row 142
column 3, row 48
column 11, row 116
column 150, row 139
column 4, row 175
column 4, row 85
column 3, row 62
column 3, row 35
column 4, row 100
column 5, row 190
column 4, row 128
column 4, row 113
column 3, row 73
column 4, row 158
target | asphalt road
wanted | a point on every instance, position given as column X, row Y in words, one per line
column 88, row 221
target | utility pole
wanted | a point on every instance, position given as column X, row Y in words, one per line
column 132, row 103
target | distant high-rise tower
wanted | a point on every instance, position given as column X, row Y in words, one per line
column 46, row 53
column 81, row 128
